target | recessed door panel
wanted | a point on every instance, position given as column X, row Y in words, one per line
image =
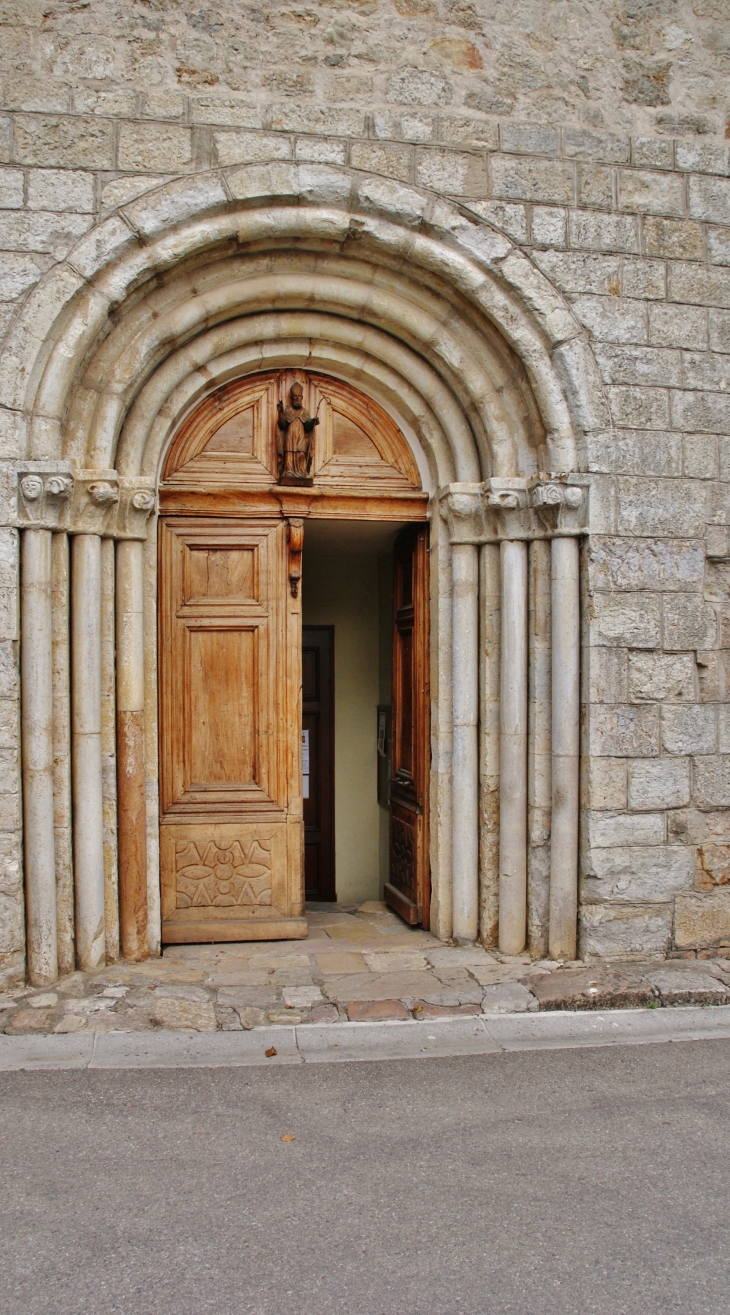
column 231, row 817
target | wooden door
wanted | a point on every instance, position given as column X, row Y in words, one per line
column 318, row 761
column 408, row 890
column 231, row 833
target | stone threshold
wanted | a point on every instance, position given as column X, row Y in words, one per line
column 355, row 1042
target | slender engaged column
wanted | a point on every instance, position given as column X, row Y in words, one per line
column 61, row 599
column 37, row 736
column 538, row 752
column 132, row 812
column 109, row 749
column 489, row 627
column 465, row 768
column 565, row 748
column 87, row 758
column 513, row 751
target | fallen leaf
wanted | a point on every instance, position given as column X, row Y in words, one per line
column 271, row 1051
column 288, row 1137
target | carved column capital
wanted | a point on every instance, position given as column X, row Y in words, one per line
column 507, row 514
column 561, row 507
column 136, row 504
column 462, row 507
column 44, row 491
column 94, row 506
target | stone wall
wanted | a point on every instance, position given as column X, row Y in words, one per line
column 594, row 137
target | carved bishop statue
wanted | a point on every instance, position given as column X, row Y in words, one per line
column 294, row 439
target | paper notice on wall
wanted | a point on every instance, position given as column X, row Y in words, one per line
column 305, row 764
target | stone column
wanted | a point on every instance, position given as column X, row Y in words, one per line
column 513, row 751
column 131, row 749
column 538, row 753
column 61, row 604
column 109, row 748
column 36, row 653
column 461, row 507
column 465, row 762
column 565, row 596
column 87, row 756
column 489, row 628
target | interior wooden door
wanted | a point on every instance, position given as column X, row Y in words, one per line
column 318, row 761
column 408, row 889
column 231, row 833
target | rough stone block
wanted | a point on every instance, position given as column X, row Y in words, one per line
column 595, row 186
column 608, row 829
column 689, row 730
column 419, row 87
column 639, row 874
column 639, row 407
column 709, row 199
column 407, row 126
column 612, row 320
column 647, row 366
column 702, row 921
column 604, row 783
column 73, row 143
column 549, row 225
column 718, row 245
column 636, row 564
column 456, row 173
column 661, row 783
column 529, row 139
column 697, row 285
column 312, row 150
column 689, row 622
column 650, row 193
column 154, row 146
column 581, row 144
column 512, row 219
column 702, row 157
column 517, row 178
column 703, row 411
column 711, row 782
column 646, row 279
column 690, row 826
column 714, row 866
column 627, row 620
column 595, row 232
column 635, row 453
column 311, row 119
column 652, row 153
column 700, row 457
column 675, row 239
column 389, row 159
column 662, row 677
column 41, row 232
column 657, row 507
column 60, row 189
column 474, row 133
column 11, row 189
column 631, row 732
column 163, row 105
column 624, row 932
column 251, row 147
column 607, row 675
column 508, row 998
column 376, row 1011
column 719, row 323
column 18, row 273
column 227, row 111
column 678, row 326
column 572, row 272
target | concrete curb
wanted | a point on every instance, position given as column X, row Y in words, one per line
column 348, row 1042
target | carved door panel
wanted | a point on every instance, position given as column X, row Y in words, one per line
column 318, row 761
column 231, row 833
column 408, row 888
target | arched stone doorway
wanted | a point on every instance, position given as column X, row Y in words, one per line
column 431, row 314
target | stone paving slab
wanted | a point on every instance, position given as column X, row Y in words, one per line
column 359, row 964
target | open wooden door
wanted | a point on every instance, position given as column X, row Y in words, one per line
column 408, row 890
column 231, row 833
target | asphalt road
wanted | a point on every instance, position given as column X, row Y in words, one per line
column 521, row 1184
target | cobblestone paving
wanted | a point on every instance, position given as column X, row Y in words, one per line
column 360, row 964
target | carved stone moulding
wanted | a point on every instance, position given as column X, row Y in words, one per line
column 514, row 509
column 52, row 497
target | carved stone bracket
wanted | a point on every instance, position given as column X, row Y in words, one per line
column 514, row 509
column 136, row 504
column 296, row 547
column 44, row 492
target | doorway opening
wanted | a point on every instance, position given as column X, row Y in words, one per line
column 363, row 786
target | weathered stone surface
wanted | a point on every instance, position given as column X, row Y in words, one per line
column 376, row 1011
column 637, row 873
column 688, row 730
column 631, row 732
column 423, row 1010
column 680, row 983
column 630, row 620
column 662, row 677
column 617, row 987
column 630, row 931
column 661, row 783
column 702, row 921
column 509, row 998
column 646, row 564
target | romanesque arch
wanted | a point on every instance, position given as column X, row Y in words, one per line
column 481, row 364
